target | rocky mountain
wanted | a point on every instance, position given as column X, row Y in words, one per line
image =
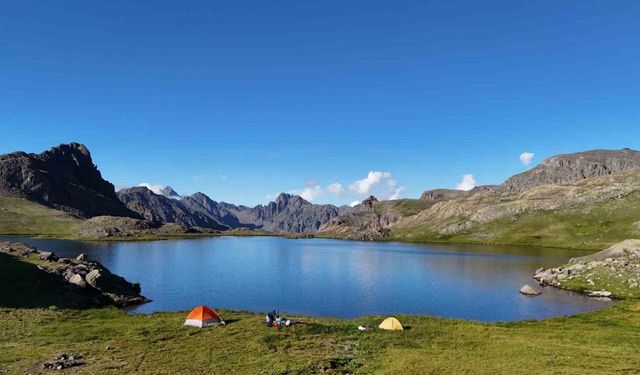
column 563, row 169
column 288, row 214
column 160, row 208
column 589, row 198
column 168, row 192
column 63, row 178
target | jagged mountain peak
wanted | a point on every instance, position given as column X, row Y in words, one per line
column 63, row 177
column 168, row 192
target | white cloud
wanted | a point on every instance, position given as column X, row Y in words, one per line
column 311, row 193
column 379, row 184
column 366, row 185
column 336, row 188
column 354, row 203
column 223, row 177
column 526, row 158
column 468, row 182
column 154, row 188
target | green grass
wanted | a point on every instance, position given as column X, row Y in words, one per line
column 594, row 227
column 20, row 216
column 595, row 343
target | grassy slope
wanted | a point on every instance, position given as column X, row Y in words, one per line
column 593, row 227
column 20, row 216
column 402, row 207
column 594, row 343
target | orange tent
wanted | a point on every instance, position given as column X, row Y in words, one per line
column 203, row 316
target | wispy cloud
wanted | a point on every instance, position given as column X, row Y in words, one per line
column 467, row 183
column 336, row 188
column 526, row 158
column 154, row 188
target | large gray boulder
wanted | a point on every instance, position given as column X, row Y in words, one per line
column 529, row 291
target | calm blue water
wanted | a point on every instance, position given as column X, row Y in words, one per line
column 334, row 278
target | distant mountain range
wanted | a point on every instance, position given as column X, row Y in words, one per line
column 288, row 214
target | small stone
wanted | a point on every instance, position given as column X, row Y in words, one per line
column 598, row 293
column 81, row 257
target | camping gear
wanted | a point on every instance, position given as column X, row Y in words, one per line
column 203, row 316
column 391, row 324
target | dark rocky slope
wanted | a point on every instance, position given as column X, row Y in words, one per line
column 63, row 178
column 160, row 208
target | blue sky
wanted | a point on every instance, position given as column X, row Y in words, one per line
column 242, row 100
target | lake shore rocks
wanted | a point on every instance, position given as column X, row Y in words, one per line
column 88, row 280
column 613, row 272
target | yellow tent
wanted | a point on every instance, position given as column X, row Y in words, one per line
column 391, row 324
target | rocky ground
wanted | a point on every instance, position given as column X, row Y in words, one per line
column 614, row 272
column 84, row 283
column 113, row 227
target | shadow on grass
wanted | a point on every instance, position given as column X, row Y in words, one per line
column 24, row 285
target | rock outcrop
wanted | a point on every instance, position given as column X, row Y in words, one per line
column 90, row 283
column 614, row 272
column 105, row 227
column 63, row 178
column 364, row 222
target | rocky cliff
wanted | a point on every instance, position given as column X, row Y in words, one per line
column 564, row 169
column 63, row 178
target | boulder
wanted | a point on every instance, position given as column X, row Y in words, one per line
column 76, row 279
column 529, row 291
column 81, row 257
column 46, row 255
column 115, row 287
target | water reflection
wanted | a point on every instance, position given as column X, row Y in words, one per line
column 335, row 278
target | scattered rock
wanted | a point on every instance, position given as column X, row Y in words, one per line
column 81, row 257
column 598, row 293
column 529, row 291
column 62, row 361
